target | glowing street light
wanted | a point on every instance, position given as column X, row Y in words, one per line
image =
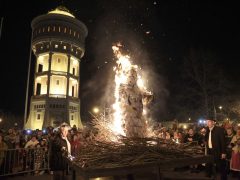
column 96, row 110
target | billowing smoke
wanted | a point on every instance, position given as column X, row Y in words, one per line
column 99, row 88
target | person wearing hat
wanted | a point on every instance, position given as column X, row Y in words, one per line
column 59, row 146
column 216, row 146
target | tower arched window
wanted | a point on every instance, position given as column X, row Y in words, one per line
column 48, row 28
column 38, row 92
column 65, row 30
column 70, row 32
column 59, row 29
column 54, row 28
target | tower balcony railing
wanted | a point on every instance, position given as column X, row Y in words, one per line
column 39, row 96
column 75, row 99
column 57, row 95
column 59, row 72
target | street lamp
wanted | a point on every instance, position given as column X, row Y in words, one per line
column 96, row 110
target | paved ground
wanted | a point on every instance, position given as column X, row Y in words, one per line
column 193, row 176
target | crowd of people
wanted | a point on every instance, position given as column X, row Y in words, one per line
column 220, row 141
column 27, row 150
column 223, row 142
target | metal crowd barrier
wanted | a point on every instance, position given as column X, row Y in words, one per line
column 24, row 160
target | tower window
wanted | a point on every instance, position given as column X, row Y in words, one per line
column 74, row 33
column 38, row 92
column 58, row 60
column 40, row 67
column 59, row 29
column 70, row 32
column 72, row 118
column 57, row 82
column 72, row 91
column 38, row 116
column 65, row 30
column 48, row 28
column 56, row 46
column 54, row 28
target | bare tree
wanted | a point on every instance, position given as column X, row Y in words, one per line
column 204, row 81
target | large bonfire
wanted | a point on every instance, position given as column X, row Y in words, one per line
column 131, row 98
column 124, row 138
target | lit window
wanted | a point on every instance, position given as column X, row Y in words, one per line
column 65, row 30
column 56, row 46
column 48, row 28
column 57, row 82
column 59, row 29
column 38, row 116
column 64, row 47
column 54, row 28
column 74, row 34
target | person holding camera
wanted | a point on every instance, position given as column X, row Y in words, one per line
column 59, row 146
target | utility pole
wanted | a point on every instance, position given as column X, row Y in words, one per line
column 214, row 111
column 1, row 25
column 28, row 79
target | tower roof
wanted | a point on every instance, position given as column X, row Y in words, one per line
column 61, row 10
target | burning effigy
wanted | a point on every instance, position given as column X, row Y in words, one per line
column 124, row 137
column 130, row 96
column 129, row 110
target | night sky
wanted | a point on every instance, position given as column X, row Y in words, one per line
column 157, row 35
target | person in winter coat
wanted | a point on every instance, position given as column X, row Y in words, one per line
column 59, row 146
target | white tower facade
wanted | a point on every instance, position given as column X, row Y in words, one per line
column 58, row 44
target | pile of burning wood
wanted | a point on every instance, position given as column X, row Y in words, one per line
column 123, row 138
column 131, row 152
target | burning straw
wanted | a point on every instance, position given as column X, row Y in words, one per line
column 122, row 138
column 131, row 152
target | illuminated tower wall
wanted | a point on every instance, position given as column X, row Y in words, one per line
column 58, row 44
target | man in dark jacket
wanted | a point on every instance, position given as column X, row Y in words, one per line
column 58, row 147
column 216, row 146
